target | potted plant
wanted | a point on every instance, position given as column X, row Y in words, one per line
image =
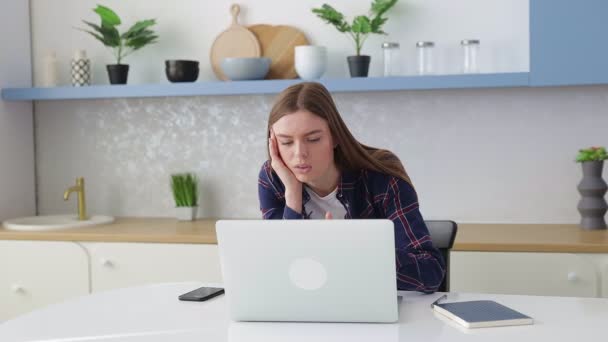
column 362, row 26
column 592, row 188
column 185, row 193
column 138, row 36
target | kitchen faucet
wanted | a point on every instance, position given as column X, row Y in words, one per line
column 79, row 188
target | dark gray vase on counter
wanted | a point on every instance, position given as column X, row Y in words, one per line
column 592, row 188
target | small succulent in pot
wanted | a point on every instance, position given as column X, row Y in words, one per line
column 122, row 45
column 593, row 153
column 185, row 193
column 361, row 27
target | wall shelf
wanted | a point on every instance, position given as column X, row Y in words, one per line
column 519, row 79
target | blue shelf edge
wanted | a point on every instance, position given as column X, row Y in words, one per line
column 515, row 79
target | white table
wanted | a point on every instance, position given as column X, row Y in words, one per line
column 153, row 313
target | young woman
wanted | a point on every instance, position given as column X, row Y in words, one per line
column 317, row 169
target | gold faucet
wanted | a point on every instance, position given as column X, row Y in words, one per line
column 79, row 188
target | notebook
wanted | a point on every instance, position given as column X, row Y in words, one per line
column 481, row 314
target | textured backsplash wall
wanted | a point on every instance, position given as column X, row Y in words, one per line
column 488, row 155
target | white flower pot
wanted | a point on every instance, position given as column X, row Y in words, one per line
column 310, row 61
column 185, row 213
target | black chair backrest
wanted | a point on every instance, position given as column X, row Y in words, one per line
column 443, row 234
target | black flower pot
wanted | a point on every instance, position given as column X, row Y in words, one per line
column 358, row 65
column 118, row 73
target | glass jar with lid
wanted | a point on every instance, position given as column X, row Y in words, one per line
column 470, row 55
column 425, row 57
column 392, row 58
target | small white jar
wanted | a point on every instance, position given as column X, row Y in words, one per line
column 470, row 55
column 392, row 59
column 50, row 77
column 425, row 57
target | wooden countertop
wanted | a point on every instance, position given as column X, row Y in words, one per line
column 128, row 229
column 530, row 238
column 470, row 237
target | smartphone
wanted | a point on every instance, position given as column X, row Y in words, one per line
column 202, row 294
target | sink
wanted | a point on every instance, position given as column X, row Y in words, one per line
column 54, row 222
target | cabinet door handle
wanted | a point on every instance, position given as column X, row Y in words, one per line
column 572, row 276
column 106, row 262
column 18, row 289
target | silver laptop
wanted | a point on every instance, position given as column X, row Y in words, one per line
column 309, row 270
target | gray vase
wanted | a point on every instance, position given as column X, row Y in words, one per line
column 592, row 188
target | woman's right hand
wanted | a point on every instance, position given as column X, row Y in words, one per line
column 292, row 184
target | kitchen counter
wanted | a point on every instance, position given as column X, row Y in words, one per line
column 530, row 238
column 128, row 229
column 470, row 237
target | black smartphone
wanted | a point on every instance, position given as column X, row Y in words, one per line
column 202, row 294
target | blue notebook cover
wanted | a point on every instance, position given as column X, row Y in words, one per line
column 482, row 313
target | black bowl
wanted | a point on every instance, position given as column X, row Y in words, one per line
column 178, row 70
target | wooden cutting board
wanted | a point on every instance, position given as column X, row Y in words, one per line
column 278, row 43
column 235, row 41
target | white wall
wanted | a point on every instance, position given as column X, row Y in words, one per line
column 490, row 155
column 17, row 193
column 187, row 29
column 478, row 155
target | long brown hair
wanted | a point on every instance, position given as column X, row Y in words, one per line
column 349, row 153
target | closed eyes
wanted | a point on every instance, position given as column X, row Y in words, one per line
column 312, row 140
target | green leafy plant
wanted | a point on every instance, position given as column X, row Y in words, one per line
column 138, row 36
column 185, row 189
column 362, row 25
column 592, row 154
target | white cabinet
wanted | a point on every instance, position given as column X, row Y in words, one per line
column 550, row 274
column 34, row 274
column 601, row 260
column 604, row 273
column 38, row 273
column 115, row 265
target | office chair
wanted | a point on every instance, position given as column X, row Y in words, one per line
column 443, row 234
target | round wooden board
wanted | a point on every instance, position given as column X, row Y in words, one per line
column 278, row 43
column 235, row 41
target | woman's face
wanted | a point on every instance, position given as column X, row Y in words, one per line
column 305, row 145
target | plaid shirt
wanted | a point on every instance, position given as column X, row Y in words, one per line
column 368, row 194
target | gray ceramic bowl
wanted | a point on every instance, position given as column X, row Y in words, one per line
column 245, row 68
